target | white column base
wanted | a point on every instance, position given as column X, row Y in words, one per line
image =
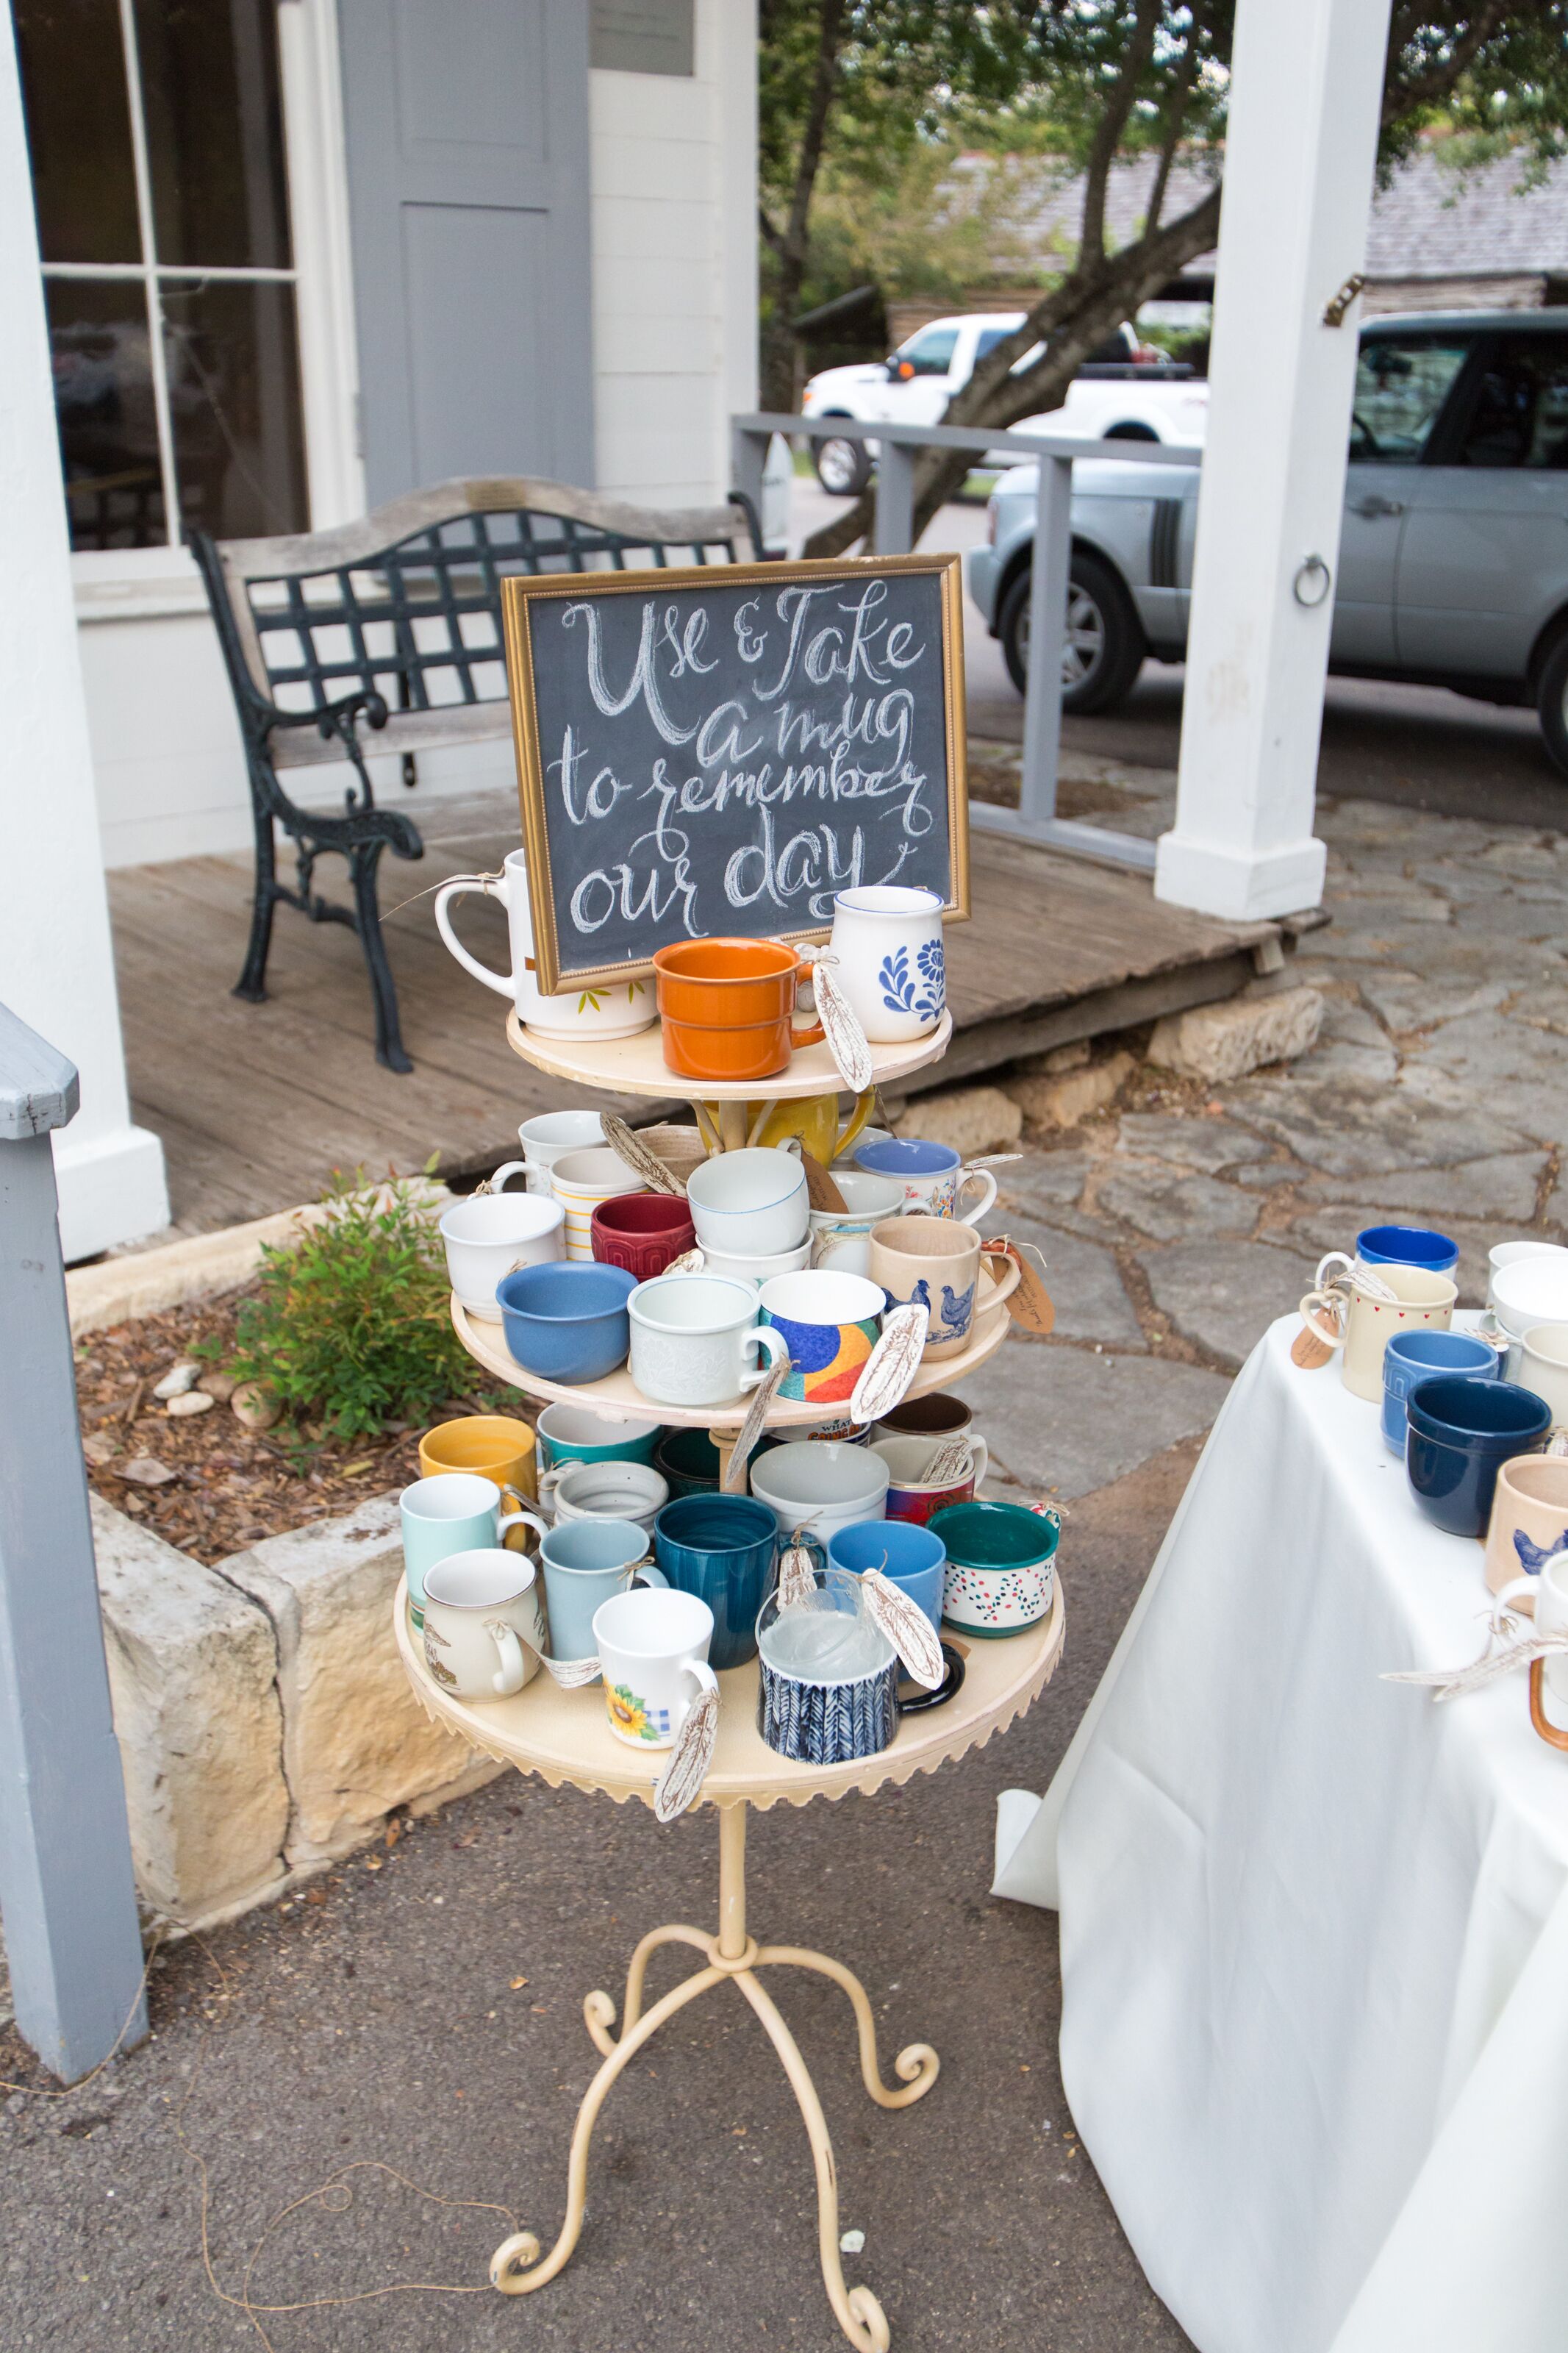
column 113, row 1189
column 1240, row 886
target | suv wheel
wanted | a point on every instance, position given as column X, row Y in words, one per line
column 1104, row 649
column 842, row 468
column 1552, row 701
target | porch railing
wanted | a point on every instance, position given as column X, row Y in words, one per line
column 1035, row 819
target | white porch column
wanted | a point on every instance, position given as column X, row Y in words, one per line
column 57, row 968
column 1305, row 87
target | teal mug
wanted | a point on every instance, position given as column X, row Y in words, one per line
column 572, row 1433
column 1001, row 1572
column 584, row 1563
column 456, row 1511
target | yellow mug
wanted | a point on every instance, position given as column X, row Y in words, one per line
column 814, row 1119
column 497, row 1447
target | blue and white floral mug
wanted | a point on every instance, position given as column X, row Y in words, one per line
column 933, row 1176
column 888, row 961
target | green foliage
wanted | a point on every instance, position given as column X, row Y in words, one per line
column 351, row 1325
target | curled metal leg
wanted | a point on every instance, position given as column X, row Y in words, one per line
column 859, row 2315
column 917, row 2064
column 599, row 2010
column 515, row 2267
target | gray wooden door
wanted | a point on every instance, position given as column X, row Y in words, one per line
column 466, row 130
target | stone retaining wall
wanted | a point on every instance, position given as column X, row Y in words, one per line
column 265, row 1726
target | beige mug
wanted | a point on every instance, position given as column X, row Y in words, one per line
column 1359, row 1311
column 484, row 1629
column 934, row 1264
column 1529, row 1518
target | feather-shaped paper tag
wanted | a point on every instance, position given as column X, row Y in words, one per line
column 891, row 1364
column 949, row 1462
column 841, row 1028
column 628, row 1146
column 680, row 1783
column 691, row 1261
column 907, row 1627
column 798, row 1572
column 734, row 1480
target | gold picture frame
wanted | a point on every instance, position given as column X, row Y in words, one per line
column 521, row 591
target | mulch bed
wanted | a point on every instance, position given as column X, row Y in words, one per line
column 229, row 1486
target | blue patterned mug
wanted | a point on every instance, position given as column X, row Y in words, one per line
column 887, row 959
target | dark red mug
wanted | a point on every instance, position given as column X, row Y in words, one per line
column 642, row 1233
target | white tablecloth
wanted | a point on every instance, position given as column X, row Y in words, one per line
column 1314, row 1928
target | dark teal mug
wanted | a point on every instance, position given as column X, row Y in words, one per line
column 724, row 1549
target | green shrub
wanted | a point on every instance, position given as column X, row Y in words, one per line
column 351, row 1325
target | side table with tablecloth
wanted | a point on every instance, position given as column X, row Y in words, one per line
column 1314, row 1928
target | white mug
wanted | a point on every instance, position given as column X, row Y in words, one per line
column 695, row 1337
column 653, row 1650
column 484, row 1630
column 841, row 1238
column 752, row 1203
column 615, row 1490
column 1504, row 1254
column 1548, row 1590
column 492, row 1234
column 821, row 1486
column 888, row 959
column 611, row 1009
column 580, row 1181
column 755, row 1271
column 1354, row 1313
column 543, row 1140
column 1531, row 1290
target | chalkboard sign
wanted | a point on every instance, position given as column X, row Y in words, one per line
column 721, row 749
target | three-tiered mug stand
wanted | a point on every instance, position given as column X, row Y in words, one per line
column 564, row 1736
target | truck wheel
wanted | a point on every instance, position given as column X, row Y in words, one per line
column 1105, row 646
column 842, row 468
column 1551, row 699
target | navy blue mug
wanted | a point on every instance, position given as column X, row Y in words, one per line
column 1462, row 1430
column 724, row 1549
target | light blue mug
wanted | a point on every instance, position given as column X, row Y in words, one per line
column 585, row 1562
column 458, row 1511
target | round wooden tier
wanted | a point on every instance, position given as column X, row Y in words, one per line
column 635, row 1066
column 617, row 1400
column 564, row 1736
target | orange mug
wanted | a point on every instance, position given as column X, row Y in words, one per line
column 728, row 1008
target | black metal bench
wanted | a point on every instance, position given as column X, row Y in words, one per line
column 394, row 623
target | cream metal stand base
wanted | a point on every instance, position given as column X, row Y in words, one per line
column 565, row 1736
column 517, row 2267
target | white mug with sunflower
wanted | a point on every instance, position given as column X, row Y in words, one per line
column 653, row 1649
column 609, row 1009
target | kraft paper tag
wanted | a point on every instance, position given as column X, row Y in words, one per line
column 1308, row 1351
column 841, row 1028
column 1031, row 1304
column 734, row 1480
column 891, row 1364
column 907, row 1627
column 820, row 1189
column 680, row 1782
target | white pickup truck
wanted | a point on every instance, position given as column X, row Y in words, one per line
column 1118, row 396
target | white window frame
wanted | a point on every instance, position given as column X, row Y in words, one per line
column 117, row 583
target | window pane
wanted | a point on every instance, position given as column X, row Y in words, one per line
column 1400, row 387
column 78, row 129
column 234, row 394
column 103, row 399
column 1520, row 416
column 214, row 131
column 930, row 354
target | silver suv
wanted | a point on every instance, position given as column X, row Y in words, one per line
column 1453, row 564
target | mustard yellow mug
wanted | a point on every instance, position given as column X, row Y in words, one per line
column 815, row 1120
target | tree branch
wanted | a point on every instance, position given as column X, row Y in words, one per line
column 1182, row 91
column 1108, row 130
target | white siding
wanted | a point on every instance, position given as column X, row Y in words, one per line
column 673, row 175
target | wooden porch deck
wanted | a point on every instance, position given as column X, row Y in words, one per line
column 256, row 1104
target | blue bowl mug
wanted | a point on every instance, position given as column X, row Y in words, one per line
column 724, row 1549
column 1412, row 1357
column 1406, row 1246
column 1463, row 1429
column 567, row 1322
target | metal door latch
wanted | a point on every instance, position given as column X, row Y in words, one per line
column 1335, row 312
